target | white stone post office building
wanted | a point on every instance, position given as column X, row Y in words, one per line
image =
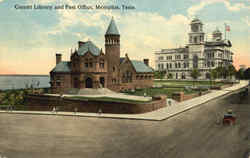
column 198, row 53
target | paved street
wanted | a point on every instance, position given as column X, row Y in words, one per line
column 192, row 134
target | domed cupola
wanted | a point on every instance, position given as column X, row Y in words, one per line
column 217, row 35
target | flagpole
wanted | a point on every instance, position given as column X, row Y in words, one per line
column 225, row 30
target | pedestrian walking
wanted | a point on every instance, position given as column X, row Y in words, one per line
column 75, row 110
column 169, row 102
column 100, row 111
column 54, row 109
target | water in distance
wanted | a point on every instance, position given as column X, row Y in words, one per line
column 23, row 81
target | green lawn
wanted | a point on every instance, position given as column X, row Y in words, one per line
column 108, row 99
column 160, row 91
column 186, row 83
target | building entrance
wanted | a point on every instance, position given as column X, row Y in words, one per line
column 89, row 83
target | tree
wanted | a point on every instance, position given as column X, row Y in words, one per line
column 213, row 74
column 247, row 74
column 231, row 71
column 222, row 72
column 240, row 74
column 159, row 74
column 195, row 73
column 170, row 76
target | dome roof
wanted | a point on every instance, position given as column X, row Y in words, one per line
column 217, row 31
column 196, row 20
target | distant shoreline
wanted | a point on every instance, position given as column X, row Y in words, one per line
column 24, row 75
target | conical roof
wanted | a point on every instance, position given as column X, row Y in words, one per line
column 112, row 29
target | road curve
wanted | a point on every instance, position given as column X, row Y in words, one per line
column 196, row 133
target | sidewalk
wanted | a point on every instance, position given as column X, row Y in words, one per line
column 157, row 115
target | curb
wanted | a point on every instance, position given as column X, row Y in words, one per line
column 93, row 115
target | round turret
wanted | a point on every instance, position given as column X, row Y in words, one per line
column 217, row 35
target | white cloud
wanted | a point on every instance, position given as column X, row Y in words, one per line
column 235, row 7
column 193, row 10
column 246, row 20
column 152, row 32
column 140, row 36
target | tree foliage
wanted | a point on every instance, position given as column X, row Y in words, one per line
column 231, row 71
column 170, row 76
column 247, row 74
column 159, row 74
column 240, row 74
column 195, row 73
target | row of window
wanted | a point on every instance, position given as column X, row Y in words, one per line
column 196, row 39
column 112, row 41
column 88, row 63
column 177, row 57
column 210, row 55
column 128, row 79
column 174, row 65
column 210, row 64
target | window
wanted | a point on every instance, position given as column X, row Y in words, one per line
column 113, row 80
column 161, row 58
column 58, row 83
column 86, row 63
column 127, row 77
column 101, row 64
column 195, row 61
column 177, row 56
column 179, row 65
column 195, row 39
column 90, row 63
column 185, row 56
column 212, row 64
column 113, row 69
column 169, row 58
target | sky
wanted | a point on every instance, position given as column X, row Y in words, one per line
column 30, row 38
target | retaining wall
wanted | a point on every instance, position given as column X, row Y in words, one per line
column 38, row 102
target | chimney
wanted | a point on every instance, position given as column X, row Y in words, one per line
column 146, row 61
column 58, row 58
